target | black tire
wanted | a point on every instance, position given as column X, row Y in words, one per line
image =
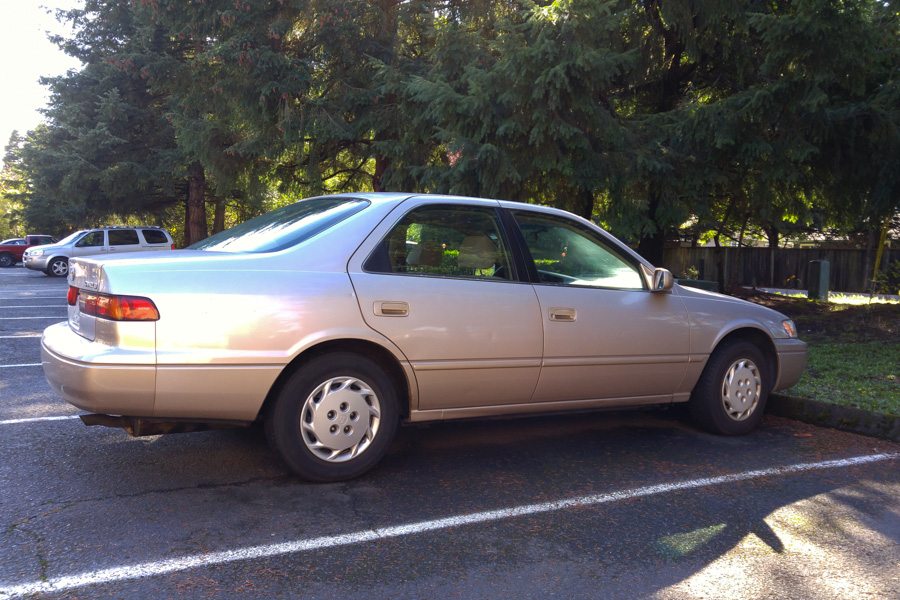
column 334, row 418
column 731, row 394
column 58, row 267
column 6, row 260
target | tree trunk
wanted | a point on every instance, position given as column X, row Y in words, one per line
column 195, row 212
column 381, row 165
column 870, row 249
column 584, row 204
column 736, row 257
column 651, row 246
column 720, row 263
column 772, row 236
column 219, row 215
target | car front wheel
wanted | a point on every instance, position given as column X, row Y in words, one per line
column 334, row 418
column 58, row 267
column 730, row 397
column 7, row 260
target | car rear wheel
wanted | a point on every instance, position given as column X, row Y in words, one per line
column 334, row 418
column 7, row 260
column 58, row 267
column 730, row 397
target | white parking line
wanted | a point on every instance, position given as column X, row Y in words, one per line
column 151, row 569
column 24, row 365
column 23, row 318
column 37, row 420
column 37, row 306
column 23, row 336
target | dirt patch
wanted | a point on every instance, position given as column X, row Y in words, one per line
column 833, row 323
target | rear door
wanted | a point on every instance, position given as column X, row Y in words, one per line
column 123, row 240
column 438, row 279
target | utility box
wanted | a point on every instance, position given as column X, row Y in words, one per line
column 819, row 276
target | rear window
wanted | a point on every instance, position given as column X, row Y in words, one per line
column 123, row 237
column 283, row 227
column 154, row 236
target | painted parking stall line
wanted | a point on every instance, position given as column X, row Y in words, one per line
column 38, row 420
column 22, row 365
column 57, row 317
column 184, row 563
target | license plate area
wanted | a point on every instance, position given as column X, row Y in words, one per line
column 81, row 323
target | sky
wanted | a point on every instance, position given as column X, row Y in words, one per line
column 25, row 55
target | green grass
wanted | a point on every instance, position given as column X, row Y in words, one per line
column 856, row 374
column 855, row 299
column 859, row 299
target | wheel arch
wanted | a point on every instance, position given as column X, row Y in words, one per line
column 53, row 258
column 763, row 342
column 371, row 350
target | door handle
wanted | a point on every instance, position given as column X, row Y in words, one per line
column 562, row 314
column 391, row 308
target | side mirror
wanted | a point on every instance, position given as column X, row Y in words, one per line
column 662, row 280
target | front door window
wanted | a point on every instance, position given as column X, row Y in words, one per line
column 567, row 254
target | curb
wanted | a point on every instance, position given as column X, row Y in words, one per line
column 854, row 420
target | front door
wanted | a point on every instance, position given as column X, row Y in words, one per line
column 606, row 336
column 91, row 243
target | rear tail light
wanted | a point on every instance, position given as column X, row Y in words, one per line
column 173, row 246
column 115, row 308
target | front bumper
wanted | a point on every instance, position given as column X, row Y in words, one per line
column 792, row 355
column 95, row 376
column 38, row 263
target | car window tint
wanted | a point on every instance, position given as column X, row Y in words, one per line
column 123, row 237
column 94, row 238
column 448, row 241
column 567, row 253
column 154, row 236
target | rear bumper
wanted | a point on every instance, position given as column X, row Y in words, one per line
column 93, row 377
column 791, row 362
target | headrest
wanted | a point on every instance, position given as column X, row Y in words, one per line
column 477, row 252
column 425, row 254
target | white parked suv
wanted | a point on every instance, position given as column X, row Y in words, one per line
column 53, row 259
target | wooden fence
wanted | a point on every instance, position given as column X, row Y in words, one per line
column 779, row 268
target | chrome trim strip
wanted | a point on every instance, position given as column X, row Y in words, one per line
column 417, row 416
column 456, row 365
column 592, row 361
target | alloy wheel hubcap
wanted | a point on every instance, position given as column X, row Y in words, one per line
column 60, row 268
column 740, row 389
column 340, row 419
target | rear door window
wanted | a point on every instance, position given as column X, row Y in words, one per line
column 123, row 237
column 446, row 241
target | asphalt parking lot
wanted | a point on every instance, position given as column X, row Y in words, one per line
column 629, row 504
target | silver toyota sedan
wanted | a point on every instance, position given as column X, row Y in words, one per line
column 333, row 319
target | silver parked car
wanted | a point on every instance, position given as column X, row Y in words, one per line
column 333, row 319
column 53, row 259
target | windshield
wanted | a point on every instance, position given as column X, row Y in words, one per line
column 283, row 227
column 71, row 236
